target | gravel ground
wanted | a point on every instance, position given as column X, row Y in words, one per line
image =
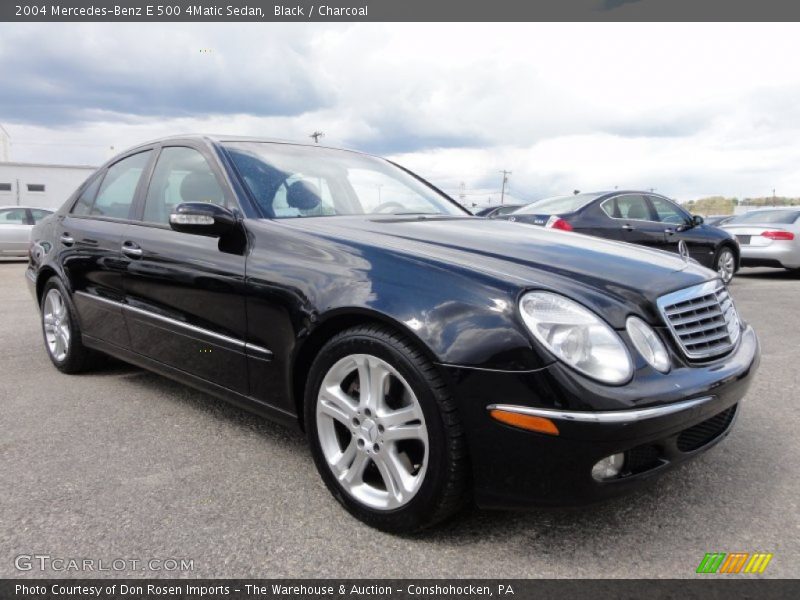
column 125, row 464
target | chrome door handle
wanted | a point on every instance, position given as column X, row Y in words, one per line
column 67, row 239
column 627, row 227
column 131, row 249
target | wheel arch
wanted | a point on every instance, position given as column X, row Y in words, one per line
column 733, row 247
column 44, row 275
column 333, row 324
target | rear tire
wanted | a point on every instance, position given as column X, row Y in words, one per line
column 61, row 332
column 384, row 431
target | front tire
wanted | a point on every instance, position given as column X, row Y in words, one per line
column 725, row 264
column 62, row 334
column 384, row 432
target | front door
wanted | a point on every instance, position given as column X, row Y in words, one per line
column 185, row 300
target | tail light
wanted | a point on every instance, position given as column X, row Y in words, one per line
column 558, row 223
column 778, row 235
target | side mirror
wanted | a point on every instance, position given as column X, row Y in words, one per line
column 697, row 220
column 202, row 218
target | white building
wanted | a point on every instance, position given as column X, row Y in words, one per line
column 40, row 185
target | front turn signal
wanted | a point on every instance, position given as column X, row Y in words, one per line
column 528, row 422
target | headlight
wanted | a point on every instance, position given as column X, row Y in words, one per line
column 647, row 342
column 576, row 336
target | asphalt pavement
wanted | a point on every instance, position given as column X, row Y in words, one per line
column 122, row 464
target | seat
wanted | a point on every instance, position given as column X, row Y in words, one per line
column 303, row 195
column 637, row 211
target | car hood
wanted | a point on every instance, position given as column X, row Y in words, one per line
column 599, row 272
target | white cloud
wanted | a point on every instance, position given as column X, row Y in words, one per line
column 689, row 109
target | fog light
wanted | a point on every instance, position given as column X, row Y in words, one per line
column 609, row 467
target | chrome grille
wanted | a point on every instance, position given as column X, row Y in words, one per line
column 702, row 319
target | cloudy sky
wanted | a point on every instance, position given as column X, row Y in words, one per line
column 691, row 110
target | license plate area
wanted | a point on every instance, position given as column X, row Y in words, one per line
column 743, row 239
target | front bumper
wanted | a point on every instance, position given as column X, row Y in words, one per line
column 660, row 421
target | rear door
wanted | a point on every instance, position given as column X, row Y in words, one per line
column 185, row 293
column 630, row 218
column 15, row 231
column 88, row 244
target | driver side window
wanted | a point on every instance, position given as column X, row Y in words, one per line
column 181, row 175
column 667, row 212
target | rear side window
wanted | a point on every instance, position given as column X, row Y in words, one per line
column 86, row 199
column 119, row 187
column 629, row 206
column 13, row 216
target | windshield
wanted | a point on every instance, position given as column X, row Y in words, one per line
column 557, row 205
column 783, row 217
column 290, row 181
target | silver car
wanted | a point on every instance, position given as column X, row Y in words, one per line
column 16, row 223
column 768, row 238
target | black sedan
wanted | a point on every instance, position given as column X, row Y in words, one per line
column 641, row 218
column 430, row 356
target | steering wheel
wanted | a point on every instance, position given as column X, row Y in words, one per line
column 385, row 205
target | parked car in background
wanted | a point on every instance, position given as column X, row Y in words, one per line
column 496, row 211
column 717, row 220
column 636, row 217
column 768, row 238
column 432, row 357
column 16, row 223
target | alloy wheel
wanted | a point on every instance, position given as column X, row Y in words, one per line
column 55, row 318
column 726, row 265
column 372, row 431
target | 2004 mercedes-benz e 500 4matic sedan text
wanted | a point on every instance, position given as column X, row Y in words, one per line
column 430, row 356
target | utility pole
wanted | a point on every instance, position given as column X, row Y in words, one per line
column 503, row 189
column 5, row 140
column 316, row 135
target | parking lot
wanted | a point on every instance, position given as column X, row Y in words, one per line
column 125, row 464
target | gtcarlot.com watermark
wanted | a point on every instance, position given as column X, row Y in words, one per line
column 61, row 564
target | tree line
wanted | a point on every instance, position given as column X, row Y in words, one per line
column 720, row 205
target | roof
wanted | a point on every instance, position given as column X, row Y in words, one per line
column 218, row 138
column 45, row 165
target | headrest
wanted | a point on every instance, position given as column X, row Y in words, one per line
column 637, row 211
column 303, row 195
column 201, row 186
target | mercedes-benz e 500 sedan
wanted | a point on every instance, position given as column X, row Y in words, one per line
column 430, row 356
